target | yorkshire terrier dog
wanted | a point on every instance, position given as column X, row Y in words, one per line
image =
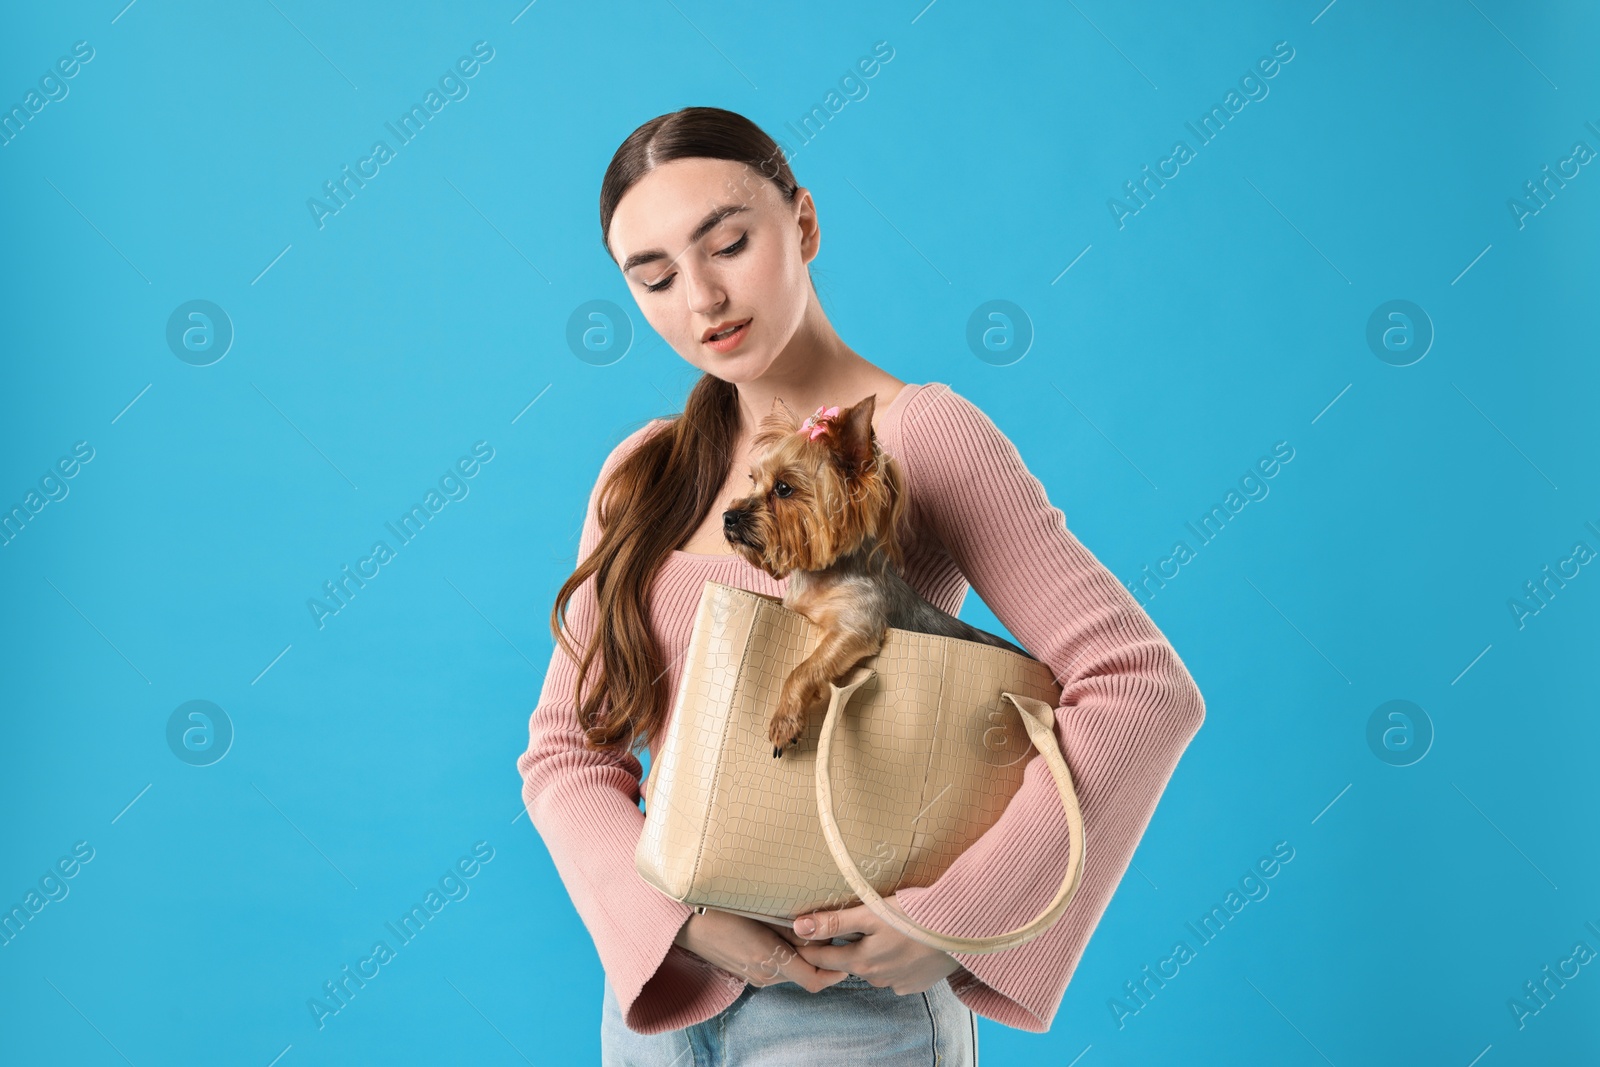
column 827, row 511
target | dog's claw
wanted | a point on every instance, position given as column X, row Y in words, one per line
column 776, row 752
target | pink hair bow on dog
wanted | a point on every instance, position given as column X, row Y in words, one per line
column 816, row 423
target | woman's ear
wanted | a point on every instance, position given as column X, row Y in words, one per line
column 806, row 220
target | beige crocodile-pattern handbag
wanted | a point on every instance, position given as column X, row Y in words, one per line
column 922, row 747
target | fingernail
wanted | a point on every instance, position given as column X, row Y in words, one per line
column 804, row 927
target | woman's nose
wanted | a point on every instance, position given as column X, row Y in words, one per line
column 702, row 290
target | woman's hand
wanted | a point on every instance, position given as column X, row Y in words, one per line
column 751, row 950
column 884, row 956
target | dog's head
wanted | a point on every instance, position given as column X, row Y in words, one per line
column 823, row 488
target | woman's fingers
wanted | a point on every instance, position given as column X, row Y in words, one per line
column 810, row 978
column 787, row 933
column 767, row 960
column 830, row 957
column 796, row 940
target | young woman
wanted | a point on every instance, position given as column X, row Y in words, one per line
column 713, row 236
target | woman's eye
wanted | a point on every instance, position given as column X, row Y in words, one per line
column 782, row 488
column 731, row 251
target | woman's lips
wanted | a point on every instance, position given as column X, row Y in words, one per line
column 732, row 341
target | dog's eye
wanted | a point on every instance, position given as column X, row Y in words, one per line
column 782, row 489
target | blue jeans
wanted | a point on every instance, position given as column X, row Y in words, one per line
column 850, row 1022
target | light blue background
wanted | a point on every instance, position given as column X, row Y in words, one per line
column 1229, row 314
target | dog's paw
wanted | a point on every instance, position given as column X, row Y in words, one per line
column 788, row 722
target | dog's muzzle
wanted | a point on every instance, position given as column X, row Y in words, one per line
column 733, row 526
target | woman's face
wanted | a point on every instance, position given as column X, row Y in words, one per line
column 705, row 244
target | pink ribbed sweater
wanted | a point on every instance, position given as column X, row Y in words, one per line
column 1129, row 708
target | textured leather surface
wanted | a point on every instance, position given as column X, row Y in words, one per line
column 924, row 757
column 1039, row 719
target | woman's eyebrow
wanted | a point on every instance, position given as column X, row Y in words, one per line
column 716, row 215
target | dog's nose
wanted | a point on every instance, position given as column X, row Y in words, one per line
column 730, row 519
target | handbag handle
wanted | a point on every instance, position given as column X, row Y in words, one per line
column 1039, row 720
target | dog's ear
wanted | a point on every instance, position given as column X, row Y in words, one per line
column 775, row 425
column 852, row 436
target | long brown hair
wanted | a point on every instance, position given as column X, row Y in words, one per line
column 658, row 494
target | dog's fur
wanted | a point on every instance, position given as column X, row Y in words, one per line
column 836, row 535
